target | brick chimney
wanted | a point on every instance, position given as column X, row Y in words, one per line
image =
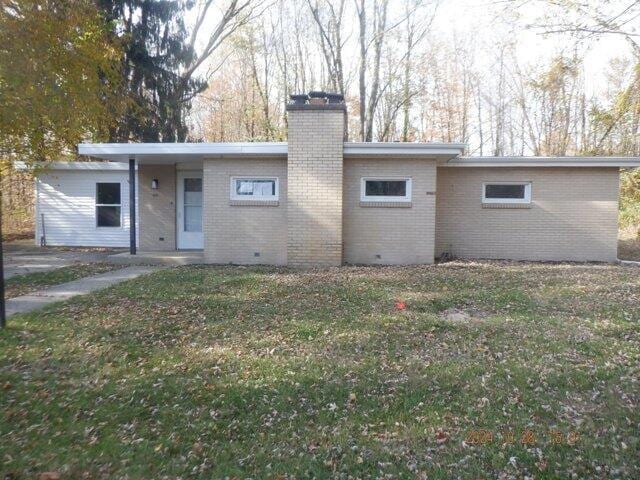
column 314, row 179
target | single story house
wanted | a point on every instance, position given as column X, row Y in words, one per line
column 317, row 200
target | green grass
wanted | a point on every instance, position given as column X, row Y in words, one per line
column 31, row 282
column 213, row 372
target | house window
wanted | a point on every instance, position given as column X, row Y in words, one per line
column 385, row 190
column 254, row 188
column 108, row 205
column 506, row 192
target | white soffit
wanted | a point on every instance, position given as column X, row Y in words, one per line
column 48, row 166
column 181, row 152
column 447, row 154
column 403, row 149
column 542, row 162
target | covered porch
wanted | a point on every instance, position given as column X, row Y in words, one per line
column 169, row 204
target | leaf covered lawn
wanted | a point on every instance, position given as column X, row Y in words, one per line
column 458, row 370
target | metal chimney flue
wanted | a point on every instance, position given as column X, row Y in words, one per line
column 316, row 97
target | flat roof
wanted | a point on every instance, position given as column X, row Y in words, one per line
column 447, row 154
column 40, row 166
column 403, row 149
column 182, row 152
column 541, row 162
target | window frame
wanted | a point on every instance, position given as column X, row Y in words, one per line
column 525, row 200
column 253, row 198
column 380, row 198
column 97, row 205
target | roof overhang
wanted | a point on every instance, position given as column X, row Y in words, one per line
column 614, row 162
column 180, row 152
column 447, row 154
column 440, row 151
column 186, row 152
column 75, row 166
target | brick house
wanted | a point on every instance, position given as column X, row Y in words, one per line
column 320, row 201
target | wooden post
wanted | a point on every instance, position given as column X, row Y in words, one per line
column 132, row 206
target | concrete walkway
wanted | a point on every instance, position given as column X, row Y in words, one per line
column 82, row 286
column 22, row 257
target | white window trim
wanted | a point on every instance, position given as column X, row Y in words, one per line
column 526, row 199
column 253, row 198
column 95, row 209
column 378, row 198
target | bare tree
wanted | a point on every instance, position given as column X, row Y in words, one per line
column 368, row 103
column 328, row 17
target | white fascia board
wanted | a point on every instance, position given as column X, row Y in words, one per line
column 403, row 149
column 189, row 151
column 40, row 167
column 628, row 162
column 182, row 151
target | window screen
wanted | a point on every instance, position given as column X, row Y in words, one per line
column 108, row 205
column 255, row 188
column 385, row 188
column 505, row 191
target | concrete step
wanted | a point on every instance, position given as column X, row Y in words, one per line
column 180, row 257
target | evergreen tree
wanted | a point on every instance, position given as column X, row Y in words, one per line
column 156, row 52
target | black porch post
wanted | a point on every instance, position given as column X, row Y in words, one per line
column 132, row 206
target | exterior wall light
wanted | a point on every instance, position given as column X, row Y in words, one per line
column 154, row 184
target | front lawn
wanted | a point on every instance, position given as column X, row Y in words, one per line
column 31, row 282
column 469, row 370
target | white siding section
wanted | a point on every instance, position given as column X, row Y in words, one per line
column 67, row 200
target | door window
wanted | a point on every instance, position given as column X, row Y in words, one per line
column 192, row 204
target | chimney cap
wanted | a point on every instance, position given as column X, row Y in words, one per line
column 300, row 98
column 316, row 100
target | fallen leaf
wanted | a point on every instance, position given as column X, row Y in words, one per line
column 49, row 476
column 441, row 437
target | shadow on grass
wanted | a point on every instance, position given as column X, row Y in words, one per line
column 223, row 371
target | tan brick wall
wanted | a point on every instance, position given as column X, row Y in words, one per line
column 235, row 231
column 573, row 215
column 399, row 235
column 315, row 187
column 157, row 211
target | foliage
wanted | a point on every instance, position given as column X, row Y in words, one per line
column 231, row 372
column 616, row 124
column 630, row 199
column 423, row 81
column 59, row 77
column 18, row 199
column 156, row 50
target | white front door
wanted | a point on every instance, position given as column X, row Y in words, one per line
column 189, row 210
